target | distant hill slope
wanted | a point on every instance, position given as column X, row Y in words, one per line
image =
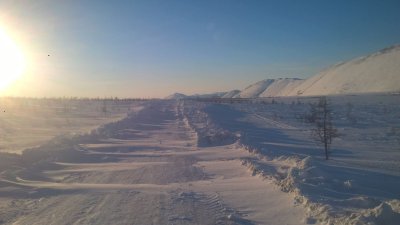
column 281, row 87
column 183, row 96
column 231, row 94
column 211, row 95
column 378, row 72
column 254, row 90
column 176, row 96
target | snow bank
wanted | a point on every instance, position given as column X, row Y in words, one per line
column 208, row 133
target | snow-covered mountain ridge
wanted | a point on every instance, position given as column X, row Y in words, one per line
column 378, row 72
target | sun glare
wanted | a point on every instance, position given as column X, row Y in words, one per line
column 12, row 62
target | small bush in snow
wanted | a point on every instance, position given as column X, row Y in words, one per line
column 324, row 131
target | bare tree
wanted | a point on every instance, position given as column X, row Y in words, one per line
column 324, row 131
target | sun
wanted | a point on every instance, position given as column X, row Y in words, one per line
column 12, row 62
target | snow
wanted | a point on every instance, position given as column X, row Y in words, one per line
column 375, row 73
column 176, row 96
column 378, row 72
column 255, row 89
column 267, row 88
column 209, row 159
column 231, row 94
column 211, row 95
column 147, row 168
column 358, row 185
column 183, row 96
column 201, row 162
column 281, row 87
column 27, row 123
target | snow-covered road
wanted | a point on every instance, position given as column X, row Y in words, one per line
column 150, row 170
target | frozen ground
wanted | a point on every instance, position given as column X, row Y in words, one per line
column 164, row 164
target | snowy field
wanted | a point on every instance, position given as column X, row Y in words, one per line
column 208, row 162
column 27, row 123
column 360, row 182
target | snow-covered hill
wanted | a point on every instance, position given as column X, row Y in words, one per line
column 378, row 72
column 254, row 90
column 281, row 87
column 375, row 73
column 269, row 88
column 182, row 96
column 176, row 96
column 211, row 95
column 231, row 94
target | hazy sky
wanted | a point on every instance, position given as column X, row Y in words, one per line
column 154, row 48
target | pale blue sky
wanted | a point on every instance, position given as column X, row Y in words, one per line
column 154, row 48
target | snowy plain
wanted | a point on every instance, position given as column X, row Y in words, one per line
column 213, row 161
column 28, row 122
